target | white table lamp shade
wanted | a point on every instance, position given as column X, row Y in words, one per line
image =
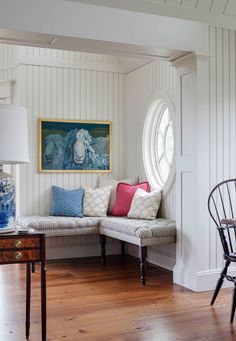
column 13, row 135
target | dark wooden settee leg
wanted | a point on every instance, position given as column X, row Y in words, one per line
column 143, row 256
column 122, row 244
column 103, row 249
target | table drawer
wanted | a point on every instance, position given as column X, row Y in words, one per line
column 19, row 256
column 19, row 243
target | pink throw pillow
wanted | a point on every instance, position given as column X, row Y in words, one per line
column 124, row 196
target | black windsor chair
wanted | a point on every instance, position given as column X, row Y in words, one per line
column 222, row 209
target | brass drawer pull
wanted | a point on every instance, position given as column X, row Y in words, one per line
column 18, row 243
column 18, row 255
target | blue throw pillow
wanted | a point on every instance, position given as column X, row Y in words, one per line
column 67, row 203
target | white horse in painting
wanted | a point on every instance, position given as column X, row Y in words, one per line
column 80, row 151
column 82, row 146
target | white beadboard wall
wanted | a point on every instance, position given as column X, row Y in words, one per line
column 140, row 85
column 67, row 85
column 222, row 122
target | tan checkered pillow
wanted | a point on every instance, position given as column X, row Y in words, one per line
column 96, row 201
column 145, row 205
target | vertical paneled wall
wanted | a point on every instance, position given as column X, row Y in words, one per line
column 66, row 85
column 222, row 121
column 199, row 252
column 140, row 85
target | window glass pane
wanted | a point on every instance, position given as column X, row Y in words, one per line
column 164, row 121
column 169, row 144
column 160, row 146
column 164, row 169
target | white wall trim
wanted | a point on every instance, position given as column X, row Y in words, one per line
column 202, row 280
column 49, row 62
column 6, row 88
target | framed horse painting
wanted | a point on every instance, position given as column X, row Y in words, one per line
column 74, row 146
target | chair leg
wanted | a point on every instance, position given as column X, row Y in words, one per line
column 233, row 304
column 103, row 248
column 143, row 256
column 220, row 282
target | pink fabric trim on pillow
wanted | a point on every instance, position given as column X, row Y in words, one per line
column 124, row 196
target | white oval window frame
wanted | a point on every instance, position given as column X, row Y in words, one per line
column 157, row 100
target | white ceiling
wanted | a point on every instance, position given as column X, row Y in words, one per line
column 121, row 31
column 220, row 13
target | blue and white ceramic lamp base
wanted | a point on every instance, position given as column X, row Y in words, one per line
column 7, row 200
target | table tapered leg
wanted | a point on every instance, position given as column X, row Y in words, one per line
column 33, row 267
column 28, row 296
column 43, row 293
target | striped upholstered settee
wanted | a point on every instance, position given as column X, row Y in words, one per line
column 139, row 232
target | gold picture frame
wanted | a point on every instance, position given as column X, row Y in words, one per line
column 74, row 146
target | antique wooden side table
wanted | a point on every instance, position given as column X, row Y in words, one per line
column 27, row 248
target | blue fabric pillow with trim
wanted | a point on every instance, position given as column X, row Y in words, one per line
column 67, row 203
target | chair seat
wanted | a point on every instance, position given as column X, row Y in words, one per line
column 231, row 257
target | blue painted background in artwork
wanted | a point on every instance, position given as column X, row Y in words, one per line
column 75, row 146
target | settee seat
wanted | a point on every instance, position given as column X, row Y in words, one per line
column 138, row 231
column 61, row 226
column 135, row 231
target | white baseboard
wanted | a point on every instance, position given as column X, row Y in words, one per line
column 160, row 257
column 78, row 246
column 202, row 280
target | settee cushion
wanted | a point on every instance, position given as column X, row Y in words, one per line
column 61, row 226
column 138, row 231
column 135, row 231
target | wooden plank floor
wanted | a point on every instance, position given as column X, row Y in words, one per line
column 88, row 302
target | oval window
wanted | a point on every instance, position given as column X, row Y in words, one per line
column 158, row 141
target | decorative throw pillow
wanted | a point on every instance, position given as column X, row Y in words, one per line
column 67, row 203
column 145, row 205
column 96, row 201
column 124, row 196
column 103, row 182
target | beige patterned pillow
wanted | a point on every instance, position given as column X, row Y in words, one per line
column 145, row 205
column 112, row 182
column 96, row 201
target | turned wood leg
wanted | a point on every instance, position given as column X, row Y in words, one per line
column 33, row 267
column 103, row 249
column 143, row 256
column 220, row 282
column 122, row 244
column 28, row 296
